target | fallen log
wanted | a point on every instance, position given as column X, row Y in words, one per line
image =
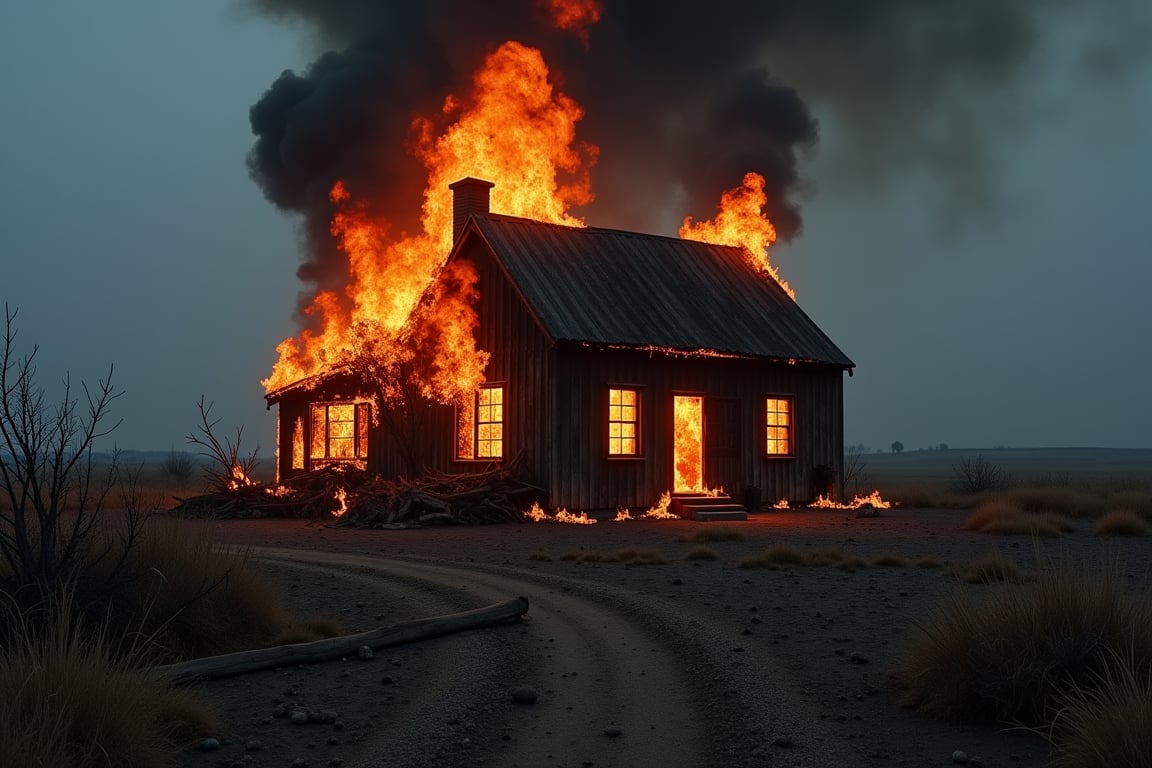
column 331, row 648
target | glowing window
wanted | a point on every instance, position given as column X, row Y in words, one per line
column 623, row 422
column 339, row 431
column 490, row 423
column 779, row 426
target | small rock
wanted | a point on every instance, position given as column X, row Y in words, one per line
column 210, row 744
column 254, row 745
column 364, row 653
column 386, row 680
column 857, row 658
column 613, row 731
column 524, row 694
column 785, row 742
column 299, row 717
column 960, row 757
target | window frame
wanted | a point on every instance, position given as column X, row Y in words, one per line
column 361, row 422
column 790, row 426
column 637, row 422
column 476, row 424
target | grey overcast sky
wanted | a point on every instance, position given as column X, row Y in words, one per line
column 1002, row 299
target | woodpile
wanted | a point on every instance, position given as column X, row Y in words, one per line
column 351, row 497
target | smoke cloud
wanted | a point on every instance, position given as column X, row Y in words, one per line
column 681, row 98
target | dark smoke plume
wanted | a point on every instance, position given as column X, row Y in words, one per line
column 681, row 97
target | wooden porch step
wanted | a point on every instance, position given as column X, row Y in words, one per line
column 714, row 512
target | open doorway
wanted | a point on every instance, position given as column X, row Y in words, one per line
column 688, row 446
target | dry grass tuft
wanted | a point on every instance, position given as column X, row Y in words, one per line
column 1056, row 501
column 540, row 556
column 1106, row 725
column 783, row 557
column 1024, row 525
column 712, row 535
column 928, row 562
column 1122, row 522
column 987, row 570
column 889, row 560
column 1010, row 655
column 640, row 557
column 992, row 511
column 701, row 553
column 309, row 630
column 70, row 697
column 1138, row 501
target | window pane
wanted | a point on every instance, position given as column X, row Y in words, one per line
column 319, row 431
column 342, row 448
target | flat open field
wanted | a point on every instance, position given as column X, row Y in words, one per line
column 676, row 663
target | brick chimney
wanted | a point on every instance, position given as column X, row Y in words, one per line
column 469, row 196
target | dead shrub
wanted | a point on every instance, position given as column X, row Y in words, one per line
column 987, row 570
column 701, row 553
column 640, row 557
column 1122, row 522
column 975, row 474
column 712, row 535
column 776, row 558
column 73, row 695
column 1106, row 725
column 1011, row 654
column 1137, row 501
column 991, row 511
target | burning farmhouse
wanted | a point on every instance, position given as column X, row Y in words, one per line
column 610, row 366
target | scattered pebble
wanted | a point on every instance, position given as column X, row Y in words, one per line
column 210, row 744
column 364, row 653
column 524, row 694
column 613, row 731
column 960, row 757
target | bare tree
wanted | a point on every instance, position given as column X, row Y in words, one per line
column 53, row 491
column 229, row 468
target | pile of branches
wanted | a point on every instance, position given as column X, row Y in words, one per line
column 351, row 497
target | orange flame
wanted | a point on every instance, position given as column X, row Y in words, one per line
column 688, row 443
column 741, row 221
column 341, row 498
column 513, row 129
column 538, row 515
column 573, row 15
column 780, row 504
column 659, row 510
column 238, row 478
column 873, row 499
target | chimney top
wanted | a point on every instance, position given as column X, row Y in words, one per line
column 469, row 196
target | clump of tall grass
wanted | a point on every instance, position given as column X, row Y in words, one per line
column 76, row 695
column 1105, row 725
column 1004, row 516
column 1122, row 522
column 986, row 570
column 640, row 557
column 1056, row 501
column 701, row 553
column 1011, row 655
column 782, row 557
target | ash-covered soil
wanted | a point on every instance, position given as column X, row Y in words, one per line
column 682, row 663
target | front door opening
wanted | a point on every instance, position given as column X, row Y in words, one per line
column 688, row 449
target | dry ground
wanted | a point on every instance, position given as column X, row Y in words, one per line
column 685, row 663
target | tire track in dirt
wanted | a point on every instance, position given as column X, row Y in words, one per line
column 607, row 658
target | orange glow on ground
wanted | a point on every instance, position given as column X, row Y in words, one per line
column 873, row 499
column 688, row 448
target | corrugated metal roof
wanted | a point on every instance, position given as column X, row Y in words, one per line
column 610, row 287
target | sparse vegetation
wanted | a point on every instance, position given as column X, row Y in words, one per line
column 1006, row 517
column 540, row 557
column 1105, row 725
column 1013, row 655
column 1122, row 522
column 701, row 553
column 975, row 474
column 986, row 570
column 178, row 466
column 640, row 557
column 889, row 560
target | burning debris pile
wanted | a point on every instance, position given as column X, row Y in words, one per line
column 354, row 498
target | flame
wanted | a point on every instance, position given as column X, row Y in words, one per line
column 874, row 499
column 781, row 504
column 538, row 515
column 659, row 510
column 239, row 478
column 514, row 129
column 297, row 443
column 688, row 443
column 341, row 497
column 741, row 221
column 622, row 516
column 280, row 491
column 573, row 15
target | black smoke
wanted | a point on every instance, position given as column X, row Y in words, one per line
column 682, row 98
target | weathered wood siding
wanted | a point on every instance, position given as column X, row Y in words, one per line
column 583, row 477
